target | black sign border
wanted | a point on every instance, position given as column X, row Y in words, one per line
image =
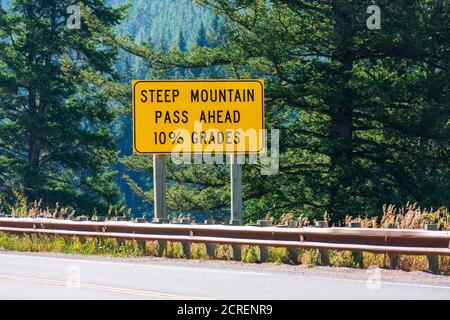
column 261, row 82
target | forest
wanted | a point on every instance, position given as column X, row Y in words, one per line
column 363, row 112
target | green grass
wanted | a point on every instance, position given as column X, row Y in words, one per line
column 250, row 254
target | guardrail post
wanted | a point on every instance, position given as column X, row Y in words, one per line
column 236, row 248
column 162, row 244
column 119, row 241
column 293, row 252
column 324, row 254
column 141, row 243
column 186, row 245
column 394, row 259
column 263, row 250
column 82, row 240
column 357, row 255
column 433, row 261
column 210, row 247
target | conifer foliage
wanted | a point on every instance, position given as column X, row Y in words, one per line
column 363, row 112
column 56, row 90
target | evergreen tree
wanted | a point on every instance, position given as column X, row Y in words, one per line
column 215, row 23
column 363, row 113
column 56, row 90
column 202, row 37
column 164, row 42
column 181, row 42
column 181, row 47
column 127, row 70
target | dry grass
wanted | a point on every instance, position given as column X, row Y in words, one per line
column 36, row 209
column 413, row 217
column 408, row 217
column 250, row 254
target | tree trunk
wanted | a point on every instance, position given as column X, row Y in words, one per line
column 341, row 107
column 31, row 176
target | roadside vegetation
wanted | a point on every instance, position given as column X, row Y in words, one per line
column 250, row 254
column 407, row 217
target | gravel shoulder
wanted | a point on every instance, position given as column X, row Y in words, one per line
column 385, row 275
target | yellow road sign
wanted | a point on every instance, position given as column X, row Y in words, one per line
column 196, row 116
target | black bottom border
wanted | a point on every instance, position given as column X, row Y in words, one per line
column 226, row 309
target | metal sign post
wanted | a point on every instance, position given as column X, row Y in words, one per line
column 159, row 189
column 236, row 200
column 159, row 186
column 236, row 191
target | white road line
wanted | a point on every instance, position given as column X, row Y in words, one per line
column 99, row 287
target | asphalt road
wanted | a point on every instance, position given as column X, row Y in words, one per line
column 25, row 276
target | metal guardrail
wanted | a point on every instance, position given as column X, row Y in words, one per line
column 392, row 241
